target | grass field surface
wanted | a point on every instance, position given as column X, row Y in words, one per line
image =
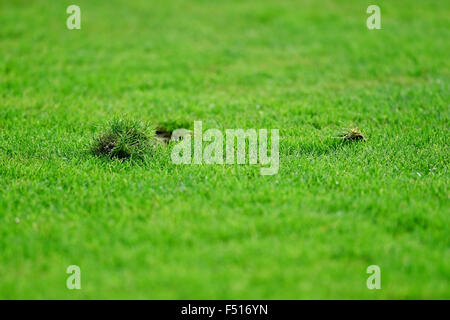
column 156, row 230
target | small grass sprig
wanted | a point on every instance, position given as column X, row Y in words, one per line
column 352, row 134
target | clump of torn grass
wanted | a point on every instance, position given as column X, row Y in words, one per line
column 353, row 134
column 124, row 139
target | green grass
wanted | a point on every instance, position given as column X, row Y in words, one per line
column 124, row 139
column 157, row 230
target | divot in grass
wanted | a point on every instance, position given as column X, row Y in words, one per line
column 171, row 130
column 164, row 136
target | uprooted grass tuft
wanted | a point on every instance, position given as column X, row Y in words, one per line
column 124, row 139
column 353, row 134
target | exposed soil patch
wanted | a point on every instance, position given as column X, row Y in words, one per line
column 173, row 130
column 163, row 135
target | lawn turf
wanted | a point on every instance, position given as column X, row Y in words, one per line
column 157, row 230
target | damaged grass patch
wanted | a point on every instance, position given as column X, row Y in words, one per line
column 165, row 129
column 163, row 135
column 124, row 139
column 353, row 134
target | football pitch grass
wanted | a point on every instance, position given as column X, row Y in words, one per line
column 156, row 230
